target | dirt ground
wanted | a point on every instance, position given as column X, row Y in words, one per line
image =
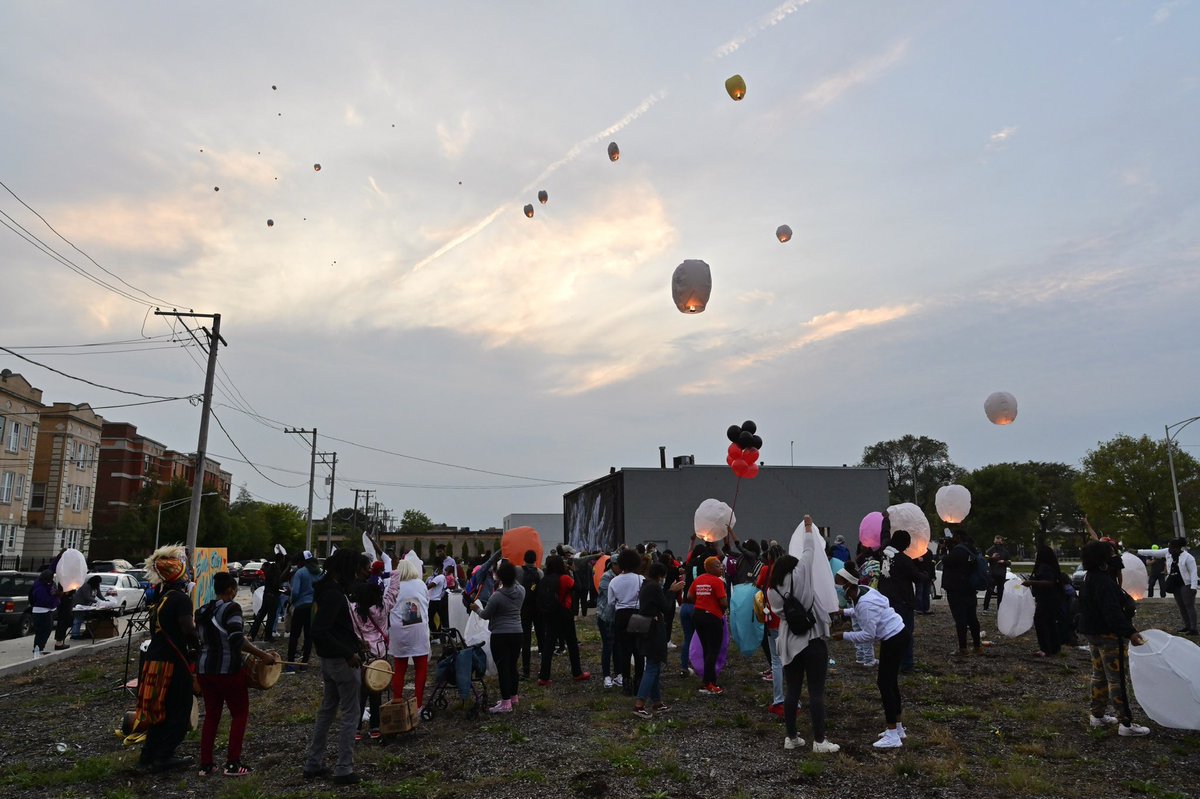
column 1007, row 724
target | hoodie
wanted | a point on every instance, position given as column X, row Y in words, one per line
column 503, row 609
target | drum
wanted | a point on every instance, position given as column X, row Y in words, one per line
column 377, row 675
column 262, row 675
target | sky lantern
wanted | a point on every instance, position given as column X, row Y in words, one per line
column 1135, row 580
column 711, row 519
column 71, row 569
column 529, row 210
column 543, row 197
column 870, row 529
column 953, row 503
column 1163, row 673
column 519, row 540
column 907, row 516
column 736, row 86
column 783, row 233
column 1001, row 408
column 270, row 223
column 614, row 152
column 1014, row 616
column 691, row 286
column 316, row 167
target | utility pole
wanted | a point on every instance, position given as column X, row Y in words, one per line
column 332, row 479
column 214, row 337
column 366, row 504
column 312, row 477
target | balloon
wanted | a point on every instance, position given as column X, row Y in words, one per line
column 729, row 459
column 1165, row 672
column 733, row 433
column 1001, row 408
column 711, row 518
column 756, row 441
column 746, row 631
column 1134, row 578
column 270, row 223
column 529, row 210
column 691, row 286
column 369, row 548
column 735, row 451
column 953, row 503
column 783, row 233
column 1014, row 616
column 519, row 540
column 316, row 167
column 907, row 516
column 746, row 440
column 736, row 86
column 598, row 570
column 543, row 197
column 751, row 471
column 750, row 427
column 750, row 455
column 869, row 530
column 696, row 652
column 614, row 152
column 71, row 570
column 740, row 467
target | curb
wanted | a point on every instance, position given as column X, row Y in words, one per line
column 56, row 657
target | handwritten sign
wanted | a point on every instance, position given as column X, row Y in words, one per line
column 209, row 561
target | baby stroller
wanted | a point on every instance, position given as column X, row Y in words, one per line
column 459, row 667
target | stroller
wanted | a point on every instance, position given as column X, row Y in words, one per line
column 459, row 667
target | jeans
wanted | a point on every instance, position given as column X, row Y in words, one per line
column 163, row 739
column 651, row 686
column 776, row 667
column 626, row 646
column 924, row 588
column 341, row 682
column 1185, row 598
column 891, row 652
column 506, row 649
column 710, row 628
column 220, row 690
column 301, row 622
column 813, row 663
column 962, row 607
column 606, row 645
column 77, row 621
column 43, row 625
column 686, row 623
column 863, row 653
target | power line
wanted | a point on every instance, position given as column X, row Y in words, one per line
column 91, row 383
column 244, row 455
column 146, row 339
column 113, row 352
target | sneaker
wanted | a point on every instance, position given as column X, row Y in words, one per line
column 825, row 747
column 503, row 706
column 236, row 770
column 776, row 710
column 890, row 740
column 672, row 645
column 712, row 689
column 358, row 736
column 587, row 675
column 642, row 713
column 376, row 735
column 290, row 670
column 899, row 731
column 767, row 678
column 661, row 707
column 516, row 700
column 765, row 673
column 1102, row 721
column 608, row 682
column 793, row 743
column 207, row 771
column 544, row 683
column 618, row 681
column 1130, row 730
column 61, row 647
column 347, row 779
column 870, row 664
column 174, row 763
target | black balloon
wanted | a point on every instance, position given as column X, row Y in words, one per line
column 746, row 440
column 750, row 427
column 757, row 442
column 733, row 433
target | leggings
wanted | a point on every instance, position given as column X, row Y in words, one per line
column 43, row 625
column 220, row 690
column 686, row 616
column 401, row 669
column 962, row 607
column 812, row 662
column 506, row 649
column 1045, row 624
column 710, row 629
column 891, row 652
column 1110, row 662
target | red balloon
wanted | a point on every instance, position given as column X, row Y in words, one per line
column 735, row 451
column 729, row 459
column 740, row 467
column 750, row 455
column 751, row 471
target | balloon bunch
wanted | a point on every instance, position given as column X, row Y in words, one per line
column 743, row 449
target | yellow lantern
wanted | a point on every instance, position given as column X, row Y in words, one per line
column 543, row 197
column 614, row 152
column 691, row 286
column 783, row 233
column 736, row 86
column 1001, row 408
column 529, row 211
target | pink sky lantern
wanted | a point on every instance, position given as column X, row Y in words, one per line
column 870, row 529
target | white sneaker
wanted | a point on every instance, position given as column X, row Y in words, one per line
column 1129, row 730
column 1103, row 721
column 899, row 731
column 672, row 645
column 890, row 740
column 870, row 664
column 793, row 743
column 618, row 681
column 825, row 747
column 608, row 682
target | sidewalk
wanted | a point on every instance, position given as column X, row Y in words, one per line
column 16, row 654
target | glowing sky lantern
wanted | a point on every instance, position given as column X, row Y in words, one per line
column 711, row 518
column 953, row 503
column 783, row 233
column 519, row 540
column 270, row 223
column 1134, row 578
column 529, row 210
column 316, row 167
column 736, row 86
column 71, row 569
column 1014, row 616
column 1001, row 408
column 907, row 516
column 1165, row 672
column 691, row 286
column 543, row 197
column 870, row 529
column 614, row 152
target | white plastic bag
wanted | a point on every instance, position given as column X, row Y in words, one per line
column 1015, row 614
column 477, row 632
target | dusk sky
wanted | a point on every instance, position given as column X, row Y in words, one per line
column 984, row 197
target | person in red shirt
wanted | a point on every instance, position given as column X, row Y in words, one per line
column 558, row 619
column 711, row 601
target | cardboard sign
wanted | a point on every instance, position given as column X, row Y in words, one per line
column 209, row 561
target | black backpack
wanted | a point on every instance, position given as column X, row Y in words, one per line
column 530, row 578
column 545, row 595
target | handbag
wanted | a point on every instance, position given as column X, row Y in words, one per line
column 639, row 624
column 1174, row 581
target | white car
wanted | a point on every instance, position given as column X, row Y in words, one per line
column 937, row 579
column 121, row 589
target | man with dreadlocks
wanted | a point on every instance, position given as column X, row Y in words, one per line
column 165, row 685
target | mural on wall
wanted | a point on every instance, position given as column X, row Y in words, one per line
column 591, row 517
column 209, row 561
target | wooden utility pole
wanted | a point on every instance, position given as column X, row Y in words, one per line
column 312, row 477
column 332, row 463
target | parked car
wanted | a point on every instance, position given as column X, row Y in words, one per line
column 121, row 588
column 15, row 615
column 114, row 565
column 234, row 568
column 251, row 573
column 141, row 576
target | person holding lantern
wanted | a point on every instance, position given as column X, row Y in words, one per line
column 711, row 601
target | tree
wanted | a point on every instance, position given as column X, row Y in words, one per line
column 414, row 522
column 1004, row 501
column 1059, row 516
column 925, row 458
column 1125, row 489
column 464, row 552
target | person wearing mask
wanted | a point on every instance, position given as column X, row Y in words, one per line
column 957, row 567
column 370, row 610
column 878, row 622
column 711, row 600
column 222, row 678
column 87, row 595
column 408, row 633
column 439, row 606
column 1046, row 583
column 503, row 614
column 307, row 574
column 998, row 562
column 530, row 576
column 605, row 616
column 166, row 675
column 1106, row 620
column 341, row 676
column 555, row 595
column 654, row 601
column 624, row 592
column 43, row 601
column 1181, row 580
column 897, row 581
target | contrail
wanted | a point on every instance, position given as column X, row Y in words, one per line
column 768, row 20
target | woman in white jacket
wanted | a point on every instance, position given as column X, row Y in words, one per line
column 408, row 633
column 804, row 653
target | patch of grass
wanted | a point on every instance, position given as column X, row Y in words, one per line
column 307, row 717
column 1147, row 788
column 1030, row 748
column 245, row 788
column 812, row 768
column 622, row 757
column 427, row 786
column 89, row 674
column 906, row 767
column 952, row 712
column 1023, row 781
column 86, row 771
column 528, row 775
column 123, row 793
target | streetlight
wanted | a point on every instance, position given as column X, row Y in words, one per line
column 172, row 504
column 1180, row 531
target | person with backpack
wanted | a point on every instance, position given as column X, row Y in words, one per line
column 222, row 678
column 554, row 604
column 624, row 592
column 964, row 573
column 605, row 615
column 530, row 577
column 308, row 574
column 897, row 581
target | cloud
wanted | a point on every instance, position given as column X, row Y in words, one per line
column 375, row 187
column 757, row 297
column 1000, row 138
column 768, row 20
column 1163, row 12
column 832, row 88
column 352, row 117
column 453, row 142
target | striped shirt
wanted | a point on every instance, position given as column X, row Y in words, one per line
column 219, row 624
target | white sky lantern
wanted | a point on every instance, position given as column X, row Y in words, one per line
column 783, row 233
column 71, row 570
column 907, row 516
column 1134, row 578
column 1164, row 675
column 1014, row 616
column 1001, row 408
column 529, row 210
column 711, row 518
column 736, row 86
column 691, row 286
column 543, row 197
column 953, row 503
column 614, row 152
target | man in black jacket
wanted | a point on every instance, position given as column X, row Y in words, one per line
column 998, row 562
column 897, row 582
column 957, row 566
